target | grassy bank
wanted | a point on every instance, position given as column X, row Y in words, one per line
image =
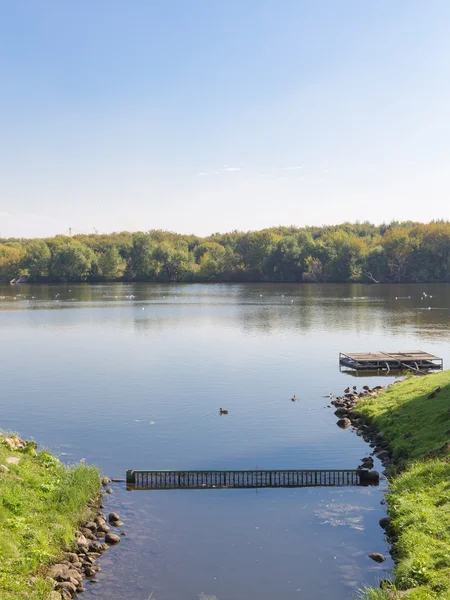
column 41, row 504
column 417, row 429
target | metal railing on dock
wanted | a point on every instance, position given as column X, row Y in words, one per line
column 169, row 480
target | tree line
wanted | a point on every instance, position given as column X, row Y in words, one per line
column 350, row 252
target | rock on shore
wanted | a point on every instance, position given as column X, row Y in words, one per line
column 81, row 563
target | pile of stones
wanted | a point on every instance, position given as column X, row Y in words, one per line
column 94, row 538
column 346, row 403
column 344, row 406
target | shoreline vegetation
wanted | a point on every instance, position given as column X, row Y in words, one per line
column 351, row 252
column 51, row 526
column 408, row 425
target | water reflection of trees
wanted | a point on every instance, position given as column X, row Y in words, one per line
column 60, row 295
column 353, row 308
column 262, row 309
column 255, row 308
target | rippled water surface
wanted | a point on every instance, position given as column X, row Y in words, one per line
column 132, row 377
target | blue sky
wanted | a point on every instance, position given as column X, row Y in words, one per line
column 200, row 116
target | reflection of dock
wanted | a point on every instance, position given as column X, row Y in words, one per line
column 416, row 360
column 169, row 480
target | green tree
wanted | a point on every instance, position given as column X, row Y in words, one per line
column 37, row 260
column 253, row 248
column 11, row 262
column 211, row 261
column 432, row 256
column 376, row 266
column 140, row 262
column 398, row 246
column 215, row 251
column 216, row 263
column 71, row 261
column 287, row 261
column 170, row 263
column 346, row 255
column 109, row 262
column 399, row 251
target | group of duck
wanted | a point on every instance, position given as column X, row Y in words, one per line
column 355, row 389
column 347, row 390
column 352, row 394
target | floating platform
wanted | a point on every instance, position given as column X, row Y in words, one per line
column 415, row 360
column 171, row 480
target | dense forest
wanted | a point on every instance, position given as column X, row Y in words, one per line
column 359, row 252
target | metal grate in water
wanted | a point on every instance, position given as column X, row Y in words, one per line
column 169, row 480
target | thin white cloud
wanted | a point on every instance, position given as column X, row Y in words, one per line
column 227, row 169
column 294, row 168
column 224, row 169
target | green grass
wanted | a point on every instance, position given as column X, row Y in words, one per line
column 417, row 429
column 41, row 504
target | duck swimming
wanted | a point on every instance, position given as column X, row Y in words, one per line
column 294, row 398
column 347, row 391
column 222, row 411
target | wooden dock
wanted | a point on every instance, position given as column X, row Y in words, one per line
column 415, row 360
column 170, row 480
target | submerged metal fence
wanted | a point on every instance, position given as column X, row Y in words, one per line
column 169, row 480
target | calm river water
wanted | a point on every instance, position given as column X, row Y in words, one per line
column 132, row 377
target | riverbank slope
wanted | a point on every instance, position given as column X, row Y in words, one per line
column 413, row 418
column 42, row 503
